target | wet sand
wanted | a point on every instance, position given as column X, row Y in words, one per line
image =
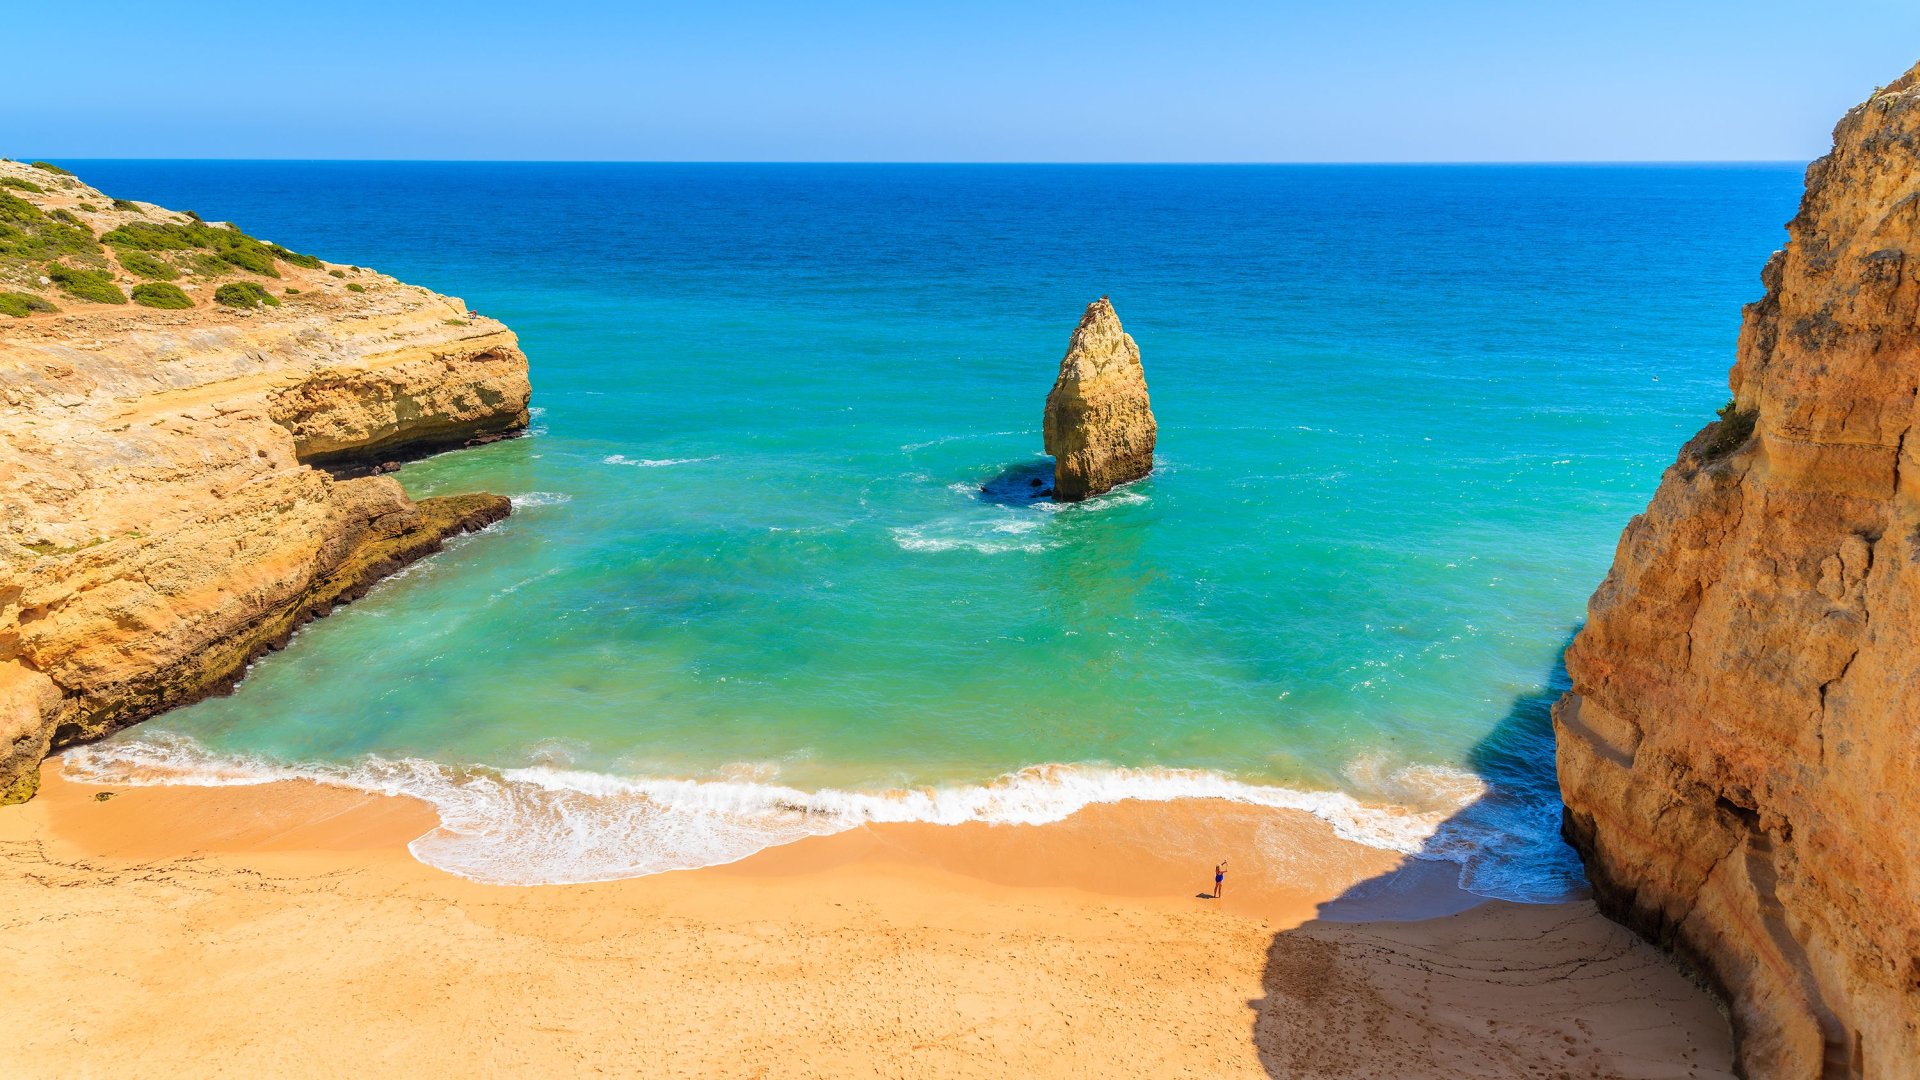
column 283, row 929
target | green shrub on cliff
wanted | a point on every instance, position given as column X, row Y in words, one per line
column 93, row 285
column 353, row 287
column 159, row 294
column 28, row 233
column 231, row 245
column 1727, row 434
column 49, row 166
column 127, row 204
column 225, row 242
column 205, row 263
column 294, row 257
column 244, row 294
column 22, row 184
column 146, row 265
column 21, row 305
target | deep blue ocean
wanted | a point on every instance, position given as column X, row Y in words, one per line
column 753, row 590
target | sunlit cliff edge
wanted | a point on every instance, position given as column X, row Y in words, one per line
column 1738, row 752
column 170, row 391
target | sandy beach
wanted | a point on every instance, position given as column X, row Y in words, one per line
column 284, row 930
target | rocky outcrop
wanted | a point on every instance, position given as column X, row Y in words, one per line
column 1740, row 752
column 162, row 521
column 1099, row 425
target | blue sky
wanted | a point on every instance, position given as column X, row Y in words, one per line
column 830, row 80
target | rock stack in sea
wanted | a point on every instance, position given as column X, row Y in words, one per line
column 168, row 390
column 1099, row 425
column 1740, row 752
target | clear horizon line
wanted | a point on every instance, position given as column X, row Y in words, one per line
column 1488, row 162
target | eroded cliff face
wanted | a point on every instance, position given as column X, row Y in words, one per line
column 1740, row 753
column 162, row 520
column 1099, row 425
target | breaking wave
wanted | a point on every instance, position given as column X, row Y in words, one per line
column 1119, row 496
column 973, row 534
column 554, row 825
column 530, row 499
column 650, row 463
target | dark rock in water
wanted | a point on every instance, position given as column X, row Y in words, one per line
column 1099, row 425
column 1035, row 482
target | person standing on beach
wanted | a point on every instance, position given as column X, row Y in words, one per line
column 1219, row 876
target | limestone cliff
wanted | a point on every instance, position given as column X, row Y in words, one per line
column 1099, row 425
column 1740, row 752
column 162, row 520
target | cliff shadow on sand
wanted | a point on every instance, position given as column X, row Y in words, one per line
column 1409, row 974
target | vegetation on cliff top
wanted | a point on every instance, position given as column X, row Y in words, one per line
column 93, row 285
column 244, row 294
column 228, row 243
column 21, row 305
column 294, row 257
column 145, row 264
column 44, row 243
column 159, row 294
column 28, row 233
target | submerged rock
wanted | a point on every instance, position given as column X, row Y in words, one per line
column 1737, row 754
column 1099, row 425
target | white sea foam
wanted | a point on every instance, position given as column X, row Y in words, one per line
column 1115, row 498
column 551, row 824
column 942, row 440
column 530, row 499
column 508, row 590
column 985, row 538
column 651, row 463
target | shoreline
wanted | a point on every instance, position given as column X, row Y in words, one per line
column 1076, row 948
column 1156, row 810
column 1145, row 851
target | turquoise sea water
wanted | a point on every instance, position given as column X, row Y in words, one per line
column 753, row 588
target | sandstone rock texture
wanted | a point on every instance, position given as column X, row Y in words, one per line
column 162, row 521
column 1099, row 425
column 1740, row 752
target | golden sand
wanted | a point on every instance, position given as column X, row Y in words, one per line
column 283, row 930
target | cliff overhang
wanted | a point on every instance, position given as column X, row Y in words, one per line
column 172, row 491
